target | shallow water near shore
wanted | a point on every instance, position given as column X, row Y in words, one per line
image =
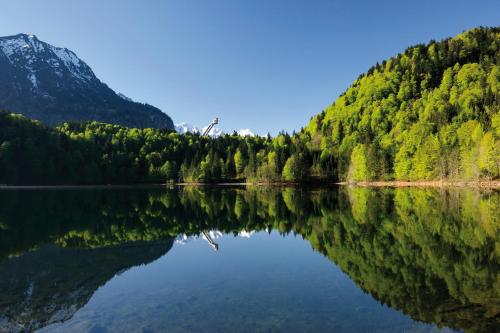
column 225, row 259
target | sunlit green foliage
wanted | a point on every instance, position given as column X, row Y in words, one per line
column 431, row 112
column 294, row 169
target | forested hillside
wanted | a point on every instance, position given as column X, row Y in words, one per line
column 429, row 113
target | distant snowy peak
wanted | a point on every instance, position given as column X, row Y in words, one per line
column 214, row 132
column 28, row 53
column 184, row 128
column 245, row 132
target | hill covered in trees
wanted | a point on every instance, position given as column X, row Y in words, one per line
column 432, row 112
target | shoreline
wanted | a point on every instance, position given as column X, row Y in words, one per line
column 429, row 184
column 491, row 184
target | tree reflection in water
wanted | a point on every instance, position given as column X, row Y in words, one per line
column 433, row 254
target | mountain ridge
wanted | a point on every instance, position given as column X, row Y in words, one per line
column 54, row 85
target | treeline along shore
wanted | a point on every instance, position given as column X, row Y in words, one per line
column 428, row 116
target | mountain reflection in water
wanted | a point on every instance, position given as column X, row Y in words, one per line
column 431, row 254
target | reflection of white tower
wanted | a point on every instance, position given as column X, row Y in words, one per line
column 210, row 236
column 210, row 241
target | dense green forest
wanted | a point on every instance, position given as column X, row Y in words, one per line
column 433, row 254
column 96, row 153
column 431, row 112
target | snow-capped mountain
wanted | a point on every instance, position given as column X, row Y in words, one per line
column 24, row 52
column 53, row 85
column 184, row 128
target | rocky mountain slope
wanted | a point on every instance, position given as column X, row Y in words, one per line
column 53, row 85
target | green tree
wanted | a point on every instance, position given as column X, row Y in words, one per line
column 489, row 156
column 239, row 162
column 359, row 169
column 169, row 170
column 294, row 169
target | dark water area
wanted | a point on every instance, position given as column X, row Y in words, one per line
column 212, row 259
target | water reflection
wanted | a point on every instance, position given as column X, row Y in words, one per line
column 431, row 254
column 50, row 284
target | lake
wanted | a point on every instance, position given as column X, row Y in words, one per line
column 256, row 259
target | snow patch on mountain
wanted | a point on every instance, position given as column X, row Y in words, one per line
column 32, row 78
column 10, row 46
column 24, row 51
column 72, row 63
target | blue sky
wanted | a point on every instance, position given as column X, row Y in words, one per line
column 267, row 65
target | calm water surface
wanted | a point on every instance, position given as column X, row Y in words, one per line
column 249, row 260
